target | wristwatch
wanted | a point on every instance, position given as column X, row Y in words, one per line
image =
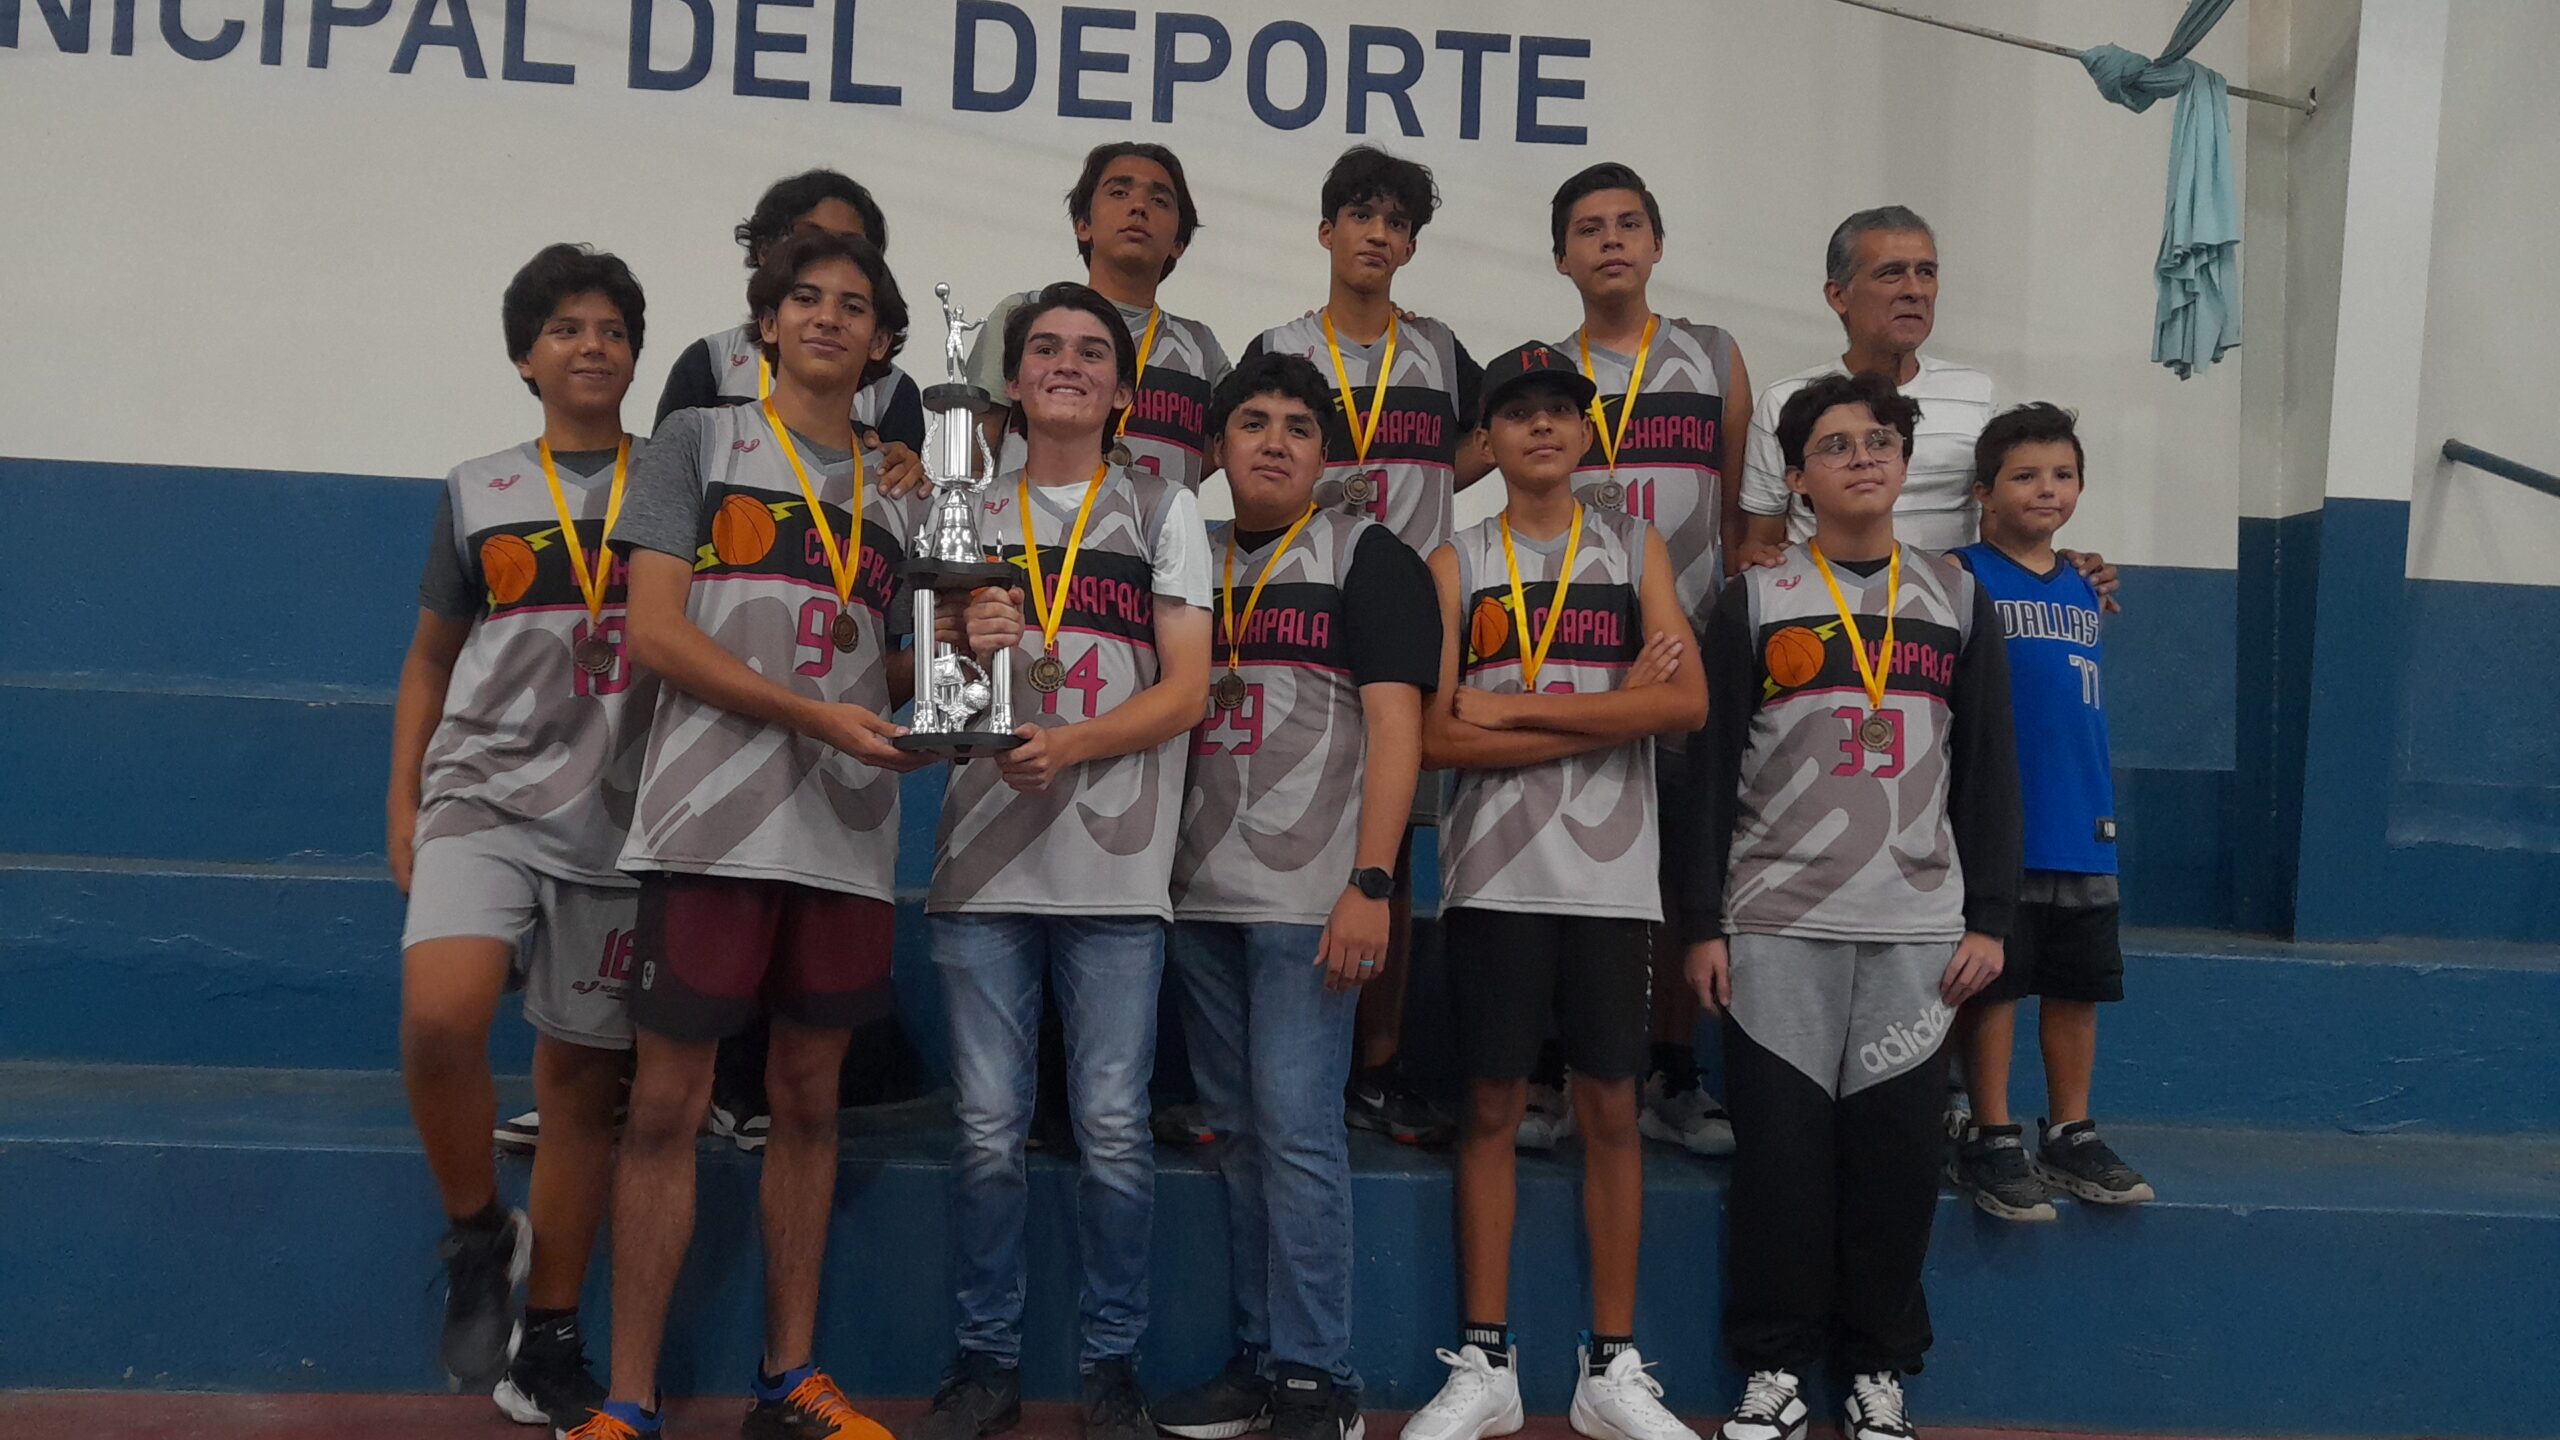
column 1373, row 882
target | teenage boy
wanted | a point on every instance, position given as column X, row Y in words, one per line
column 1398, row 446
column 1133, row 217
column 1857, row 868
column 766, row 830
column 1053, row 861
column 515, row 745
column 1301, row 777
column 1563, row 654
column 2063, row 949
column 1669, row 427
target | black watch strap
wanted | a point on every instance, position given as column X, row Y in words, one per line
column 1373, row 882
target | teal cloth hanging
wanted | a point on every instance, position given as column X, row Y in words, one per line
column 2198, row 316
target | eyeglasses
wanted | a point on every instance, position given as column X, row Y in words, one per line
column 1880, row 442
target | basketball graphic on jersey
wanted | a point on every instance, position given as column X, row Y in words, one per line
column 1489, row 629
column 507, row 563
column 1794, row 656
column 742, row 533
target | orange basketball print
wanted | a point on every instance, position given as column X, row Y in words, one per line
column 507, row 564
column 742, row 533
column 1794, row 656
column 1489, row 629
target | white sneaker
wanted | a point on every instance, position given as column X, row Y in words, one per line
column 1549, row 1122
column 1622, row 1402
column 744, row 1129
column 1873, row 1410
column 1691, row 1119
column 1480, row 1399
column 520, row 1132
column 1771, row 1408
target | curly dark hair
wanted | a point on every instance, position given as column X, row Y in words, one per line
column 787, row 199
column 1098, row 159
column 556, row 273
column 790, row 258
column 1889, row 405
column 1365, row 174
column 1269, row 372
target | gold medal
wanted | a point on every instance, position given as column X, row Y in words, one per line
column 1048, row 675
column 593, row 654
column 1533, row 656
column 1876, row 732
column 839, row 568
column 846, row 632
column 1229, row 691
column 1051, row 605
column 1363, row 488
column 1612, row 494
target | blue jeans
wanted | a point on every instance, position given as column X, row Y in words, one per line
column 1105, row 969
column 1271, row 1051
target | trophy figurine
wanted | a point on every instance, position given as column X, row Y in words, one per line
column 963, row 708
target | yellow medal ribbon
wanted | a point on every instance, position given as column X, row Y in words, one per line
column 1534, row 658
column 1362, row 436
column 592, row 576
column 1872, row 676
column 836, row 565
column 1611, row 441
column 764, row 378
column 1052, row 612
column 1146, row 347
column 1253, row 601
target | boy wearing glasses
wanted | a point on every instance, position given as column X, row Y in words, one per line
column 1857, row 869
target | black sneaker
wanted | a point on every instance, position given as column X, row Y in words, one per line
column 1114, row 1407
column 1184, row 1126
column 1306, row 1404
column 2073, row 1158
column 814, row 1409
column 1993, row 1169
column 980, row 1395
column 1396, row 1112
column 1235, row 1401
column 548, row 1382
column 482, row 1269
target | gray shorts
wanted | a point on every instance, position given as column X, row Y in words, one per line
column 1847, row 1015
column 572, row 941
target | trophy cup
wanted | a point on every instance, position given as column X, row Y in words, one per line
column 962, row 708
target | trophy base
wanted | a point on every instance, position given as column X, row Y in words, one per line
column 958, row 574
column 952, row 395
column 958, row 744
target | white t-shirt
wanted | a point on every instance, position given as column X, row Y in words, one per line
column 1936, row 511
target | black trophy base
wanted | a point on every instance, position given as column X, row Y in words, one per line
column 958, row 744
column 957, row 574
column 951, row 395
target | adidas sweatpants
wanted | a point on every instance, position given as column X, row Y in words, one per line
column 1835, row 1073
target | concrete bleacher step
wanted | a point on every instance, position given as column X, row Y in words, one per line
column 272, row 1230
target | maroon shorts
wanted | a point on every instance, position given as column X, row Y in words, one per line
column 715, row 950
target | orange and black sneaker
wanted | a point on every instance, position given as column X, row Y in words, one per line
column 804, row 1404
column 614, row 1420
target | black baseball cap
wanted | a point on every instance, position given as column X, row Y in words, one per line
column 1533, row 362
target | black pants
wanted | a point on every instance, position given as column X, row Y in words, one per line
column 1829, row 1214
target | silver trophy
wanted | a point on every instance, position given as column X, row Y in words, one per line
column 963, row 708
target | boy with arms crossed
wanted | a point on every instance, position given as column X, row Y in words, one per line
column 515, row 746
column 1670, row 422
column 1857, row 866
column 2063, row 949
column 1053, row 860
column 761, row 582
column 1398, row 447
column 1563, row 654
column 1328, row 635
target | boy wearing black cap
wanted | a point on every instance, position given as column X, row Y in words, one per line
column 1564, row 654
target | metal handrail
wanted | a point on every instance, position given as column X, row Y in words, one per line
column 2499, row 465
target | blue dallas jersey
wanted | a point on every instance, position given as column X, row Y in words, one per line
column 2052, row 624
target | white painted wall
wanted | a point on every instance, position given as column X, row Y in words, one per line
column 2493, row 314
column 230, row 264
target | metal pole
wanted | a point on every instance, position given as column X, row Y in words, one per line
column 2500, row 465
column 2308, row 107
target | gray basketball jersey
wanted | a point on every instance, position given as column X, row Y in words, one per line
column 1573, row 836
column 737, row 362
column 723, row 794
column 1271, row 818
column 1168, row 429
column 1833, row 840
column 1670, row 470
column 1411, row 469
column 1099, row 840
column 530, row 746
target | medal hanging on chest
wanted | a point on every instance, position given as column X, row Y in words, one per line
column 592, row 653
column 1610, row 494
column 1364, row 487
column 1533, row 654
column 1230, row 689
column 846, row 632
column 1048, row 674
column 1877, row 731
column 1120, row 456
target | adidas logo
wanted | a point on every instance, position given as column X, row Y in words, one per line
column 1903, row 1044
